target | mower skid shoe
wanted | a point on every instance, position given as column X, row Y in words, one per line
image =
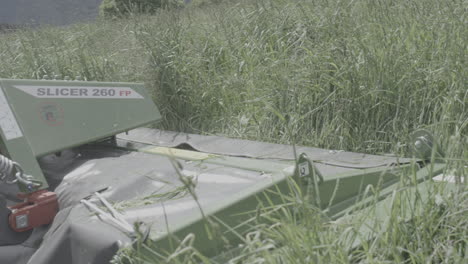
column 8, row 236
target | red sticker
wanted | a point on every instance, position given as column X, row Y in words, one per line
column 51, row 113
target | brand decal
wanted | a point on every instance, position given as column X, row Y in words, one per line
column 52, row 114
column 80, row 92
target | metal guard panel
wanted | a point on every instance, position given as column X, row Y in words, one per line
column 54, row 115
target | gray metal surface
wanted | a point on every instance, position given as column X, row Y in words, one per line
column 256, row 149
column 127, row 179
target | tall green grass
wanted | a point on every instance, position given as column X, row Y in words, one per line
column 355, row 75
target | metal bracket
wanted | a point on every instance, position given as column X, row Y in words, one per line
column 306, row 170
column 423, row 145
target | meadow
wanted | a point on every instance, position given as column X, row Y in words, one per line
column 353, row 75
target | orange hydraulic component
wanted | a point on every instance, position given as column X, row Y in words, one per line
column 39, row 208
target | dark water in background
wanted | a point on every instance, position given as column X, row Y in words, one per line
column 47, row 12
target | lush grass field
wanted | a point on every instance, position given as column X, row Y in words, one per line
column 355, row 75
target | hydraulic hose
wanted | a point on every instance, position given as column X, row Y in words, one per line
column 8, row 175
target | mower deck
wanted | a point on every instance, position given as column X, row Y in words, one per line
column 87, row 191
column 169, row 183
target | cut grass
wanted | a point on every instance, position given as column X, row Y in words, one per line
column 353, row 75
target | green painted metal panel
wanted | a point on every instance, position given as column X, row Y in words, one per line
column 227, row 217
column 58, row 114
column 367, row 216
column 41, row 117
